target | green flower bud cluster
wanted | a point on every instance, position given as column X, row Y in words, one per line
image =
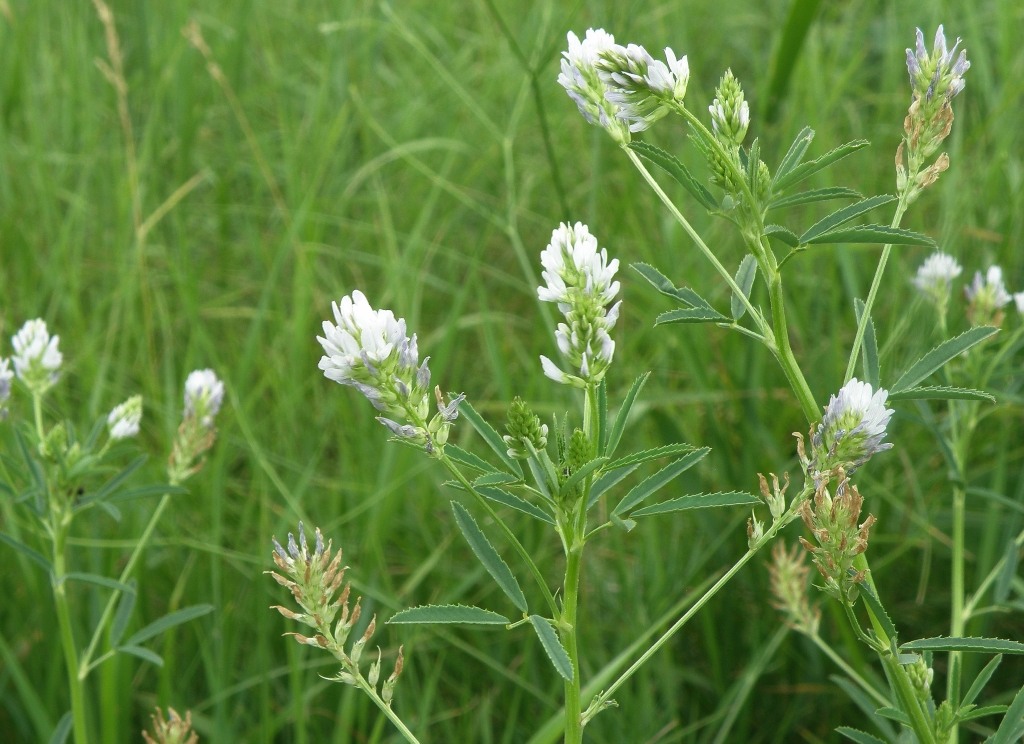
column 730, row 113
column 525, row 430
column 579, row 451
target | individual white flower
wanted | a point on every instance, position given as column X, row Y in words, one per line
column 581, row 79
column 936, row 273
column 6, row 376
column 124, row 420
column 36, row 357
column 580, row 279
column 987, row 296
column 934, row 277
column 369, row 350
column 852, row 429
column 640, row 87
column 936, row 74
column 204, row 394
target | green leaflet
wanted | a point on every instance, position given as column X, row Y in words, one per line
column 552, row 646
column 698, row 501
column 940, row 355
column 968, row 644
column 447, row 615
column 488, row 556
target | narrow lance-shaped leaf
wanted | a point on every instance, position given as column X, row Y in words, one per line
column 691, row 315
column 654, row 453
column 447, row 615
column 660, row 479
column 141, row 652
column 698, row 501
column 169, row 621
column 805, row 170
column 987, row 710
column 745, row 281
column 488, row 556
column 814, row 195
column 871, row 600
column 577, row 478
column 795, row 154
column 107, row 488
column 552, row 646
column 941, row 392
column 97, row 579
column 981, row 680
column 501, row 496
column 63, row 729
column 877, row 234
column 860, row 737
column 672, row 165
column 940, row 355
column 468, row 459
column 1011, row 729
column 493, row 439
column 33, row 555
column 608, row 479
column 844, row 215
column 662, row 283
column 977, row 645
column 894, row 714
column 782, row 234
column 619, row 425
column 869, row 348
column 125, row 605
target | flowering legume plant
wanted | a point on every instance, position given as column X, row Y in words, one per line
column 60, row 476
column 558, row 474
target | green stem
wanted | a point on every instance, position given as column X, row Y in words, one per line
column 598, row 703
column 899, row 680
column 573, row 703
column 849, row 671
column 908, row 701
column 775, row 338
column 701, row 245
column 386, row 709
column 784, row 352
column 108, row 611
column 67, row 637
column 876, row 282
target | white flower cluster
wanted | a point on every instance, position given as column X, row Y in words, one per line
column 621, row 88
column 369, row 350
column 580, row 279
column 852, row 429
column 37, row 359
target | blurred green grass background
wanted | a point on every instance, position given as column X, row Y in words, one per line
column 422, row 152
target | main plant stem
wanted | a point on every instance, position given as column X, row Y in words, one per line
column 899, row 680
column 67, row 634
column 569, row 635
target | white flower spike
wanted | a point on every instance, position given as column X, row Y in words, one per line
column 123, row 422
column 580, row 280
column 37, row 359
